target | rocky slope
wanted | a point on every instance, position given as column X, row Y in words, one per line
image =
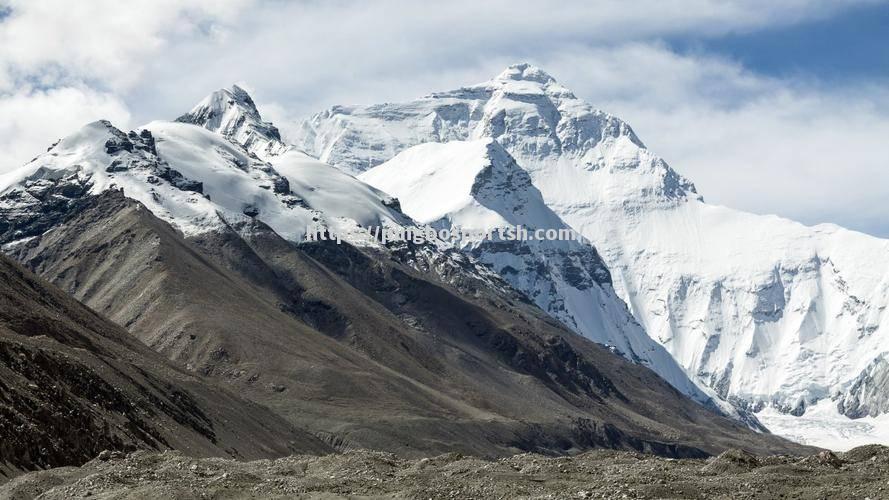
column 861, row 473
column 413, row 348
column 73, row 384
column 371, row 353
column 758, row 308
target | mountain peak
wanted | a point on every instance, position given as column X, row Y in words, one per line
column 220, row 102
column 525, row 72
column 232, row 113
column 99, row 124
column 242, row 96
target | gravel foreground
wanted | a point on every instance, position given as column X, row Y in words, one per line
column 860, row 473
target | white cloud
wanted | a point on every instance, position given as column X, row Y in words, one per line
column 102, row 42
column 813, row 157
column 64, row 64
column 307, row 54
column 33, row 120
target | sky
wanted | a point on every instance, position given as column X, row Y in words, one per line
column 769, row 107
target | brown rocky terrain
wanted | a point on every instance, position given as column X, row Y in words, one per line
column 860, row 473
column 403, row 351
column 73, row 384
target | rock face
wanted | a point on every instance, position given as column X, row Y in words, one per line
column 73, row 384
column 868, row 394
column 754, row 307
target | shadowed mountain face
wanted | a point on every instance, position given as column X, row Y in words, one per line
column 73, row 384
column 399, row 349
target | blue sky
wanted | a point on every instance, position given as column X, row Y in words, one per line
column 849, row 45
column 771, row 107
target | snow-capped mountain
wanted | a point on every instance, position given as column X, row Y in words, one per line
column 573, row 287
column 220, row 165
column 351, row 206
column 194, row 174
column 759, row 308
column 567, row 278
column 196, row 180
column 337, row 202
column 476, row 190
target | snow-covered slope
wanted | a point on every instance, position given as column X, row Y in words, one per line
column 759, row 308
column 194, row 174
column 198, row 181
column 476, row 190
column 329, row 192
